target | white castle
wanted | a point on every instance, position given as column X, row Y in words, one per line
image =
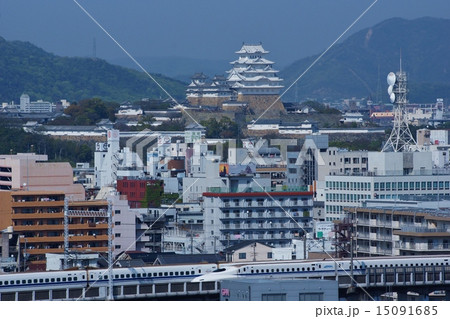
column 252, row 73
column 252, row 82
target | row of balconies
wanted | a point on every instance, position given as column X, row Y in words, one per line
column 266, row 203
column 279, row 214
column 262, row 236
column 34, row 228
column 374, row 250
column 377, row 223
column 42, row 251
column 424, row 246
column 266, row 226
column 375, row 236
column 55, row 239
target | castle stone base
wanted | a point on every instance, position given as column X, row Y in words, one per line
column 266, row 105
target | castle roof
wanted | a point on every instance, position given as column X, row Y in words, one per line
column 252, row 49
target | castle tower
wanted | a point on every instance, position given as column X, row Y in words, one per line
column 255, row 81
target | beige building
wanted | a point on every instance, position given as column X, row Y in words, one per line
column 249, row 251
column 33, row 172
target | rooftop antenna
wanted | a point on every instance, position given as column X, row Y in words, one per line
column 401, row 139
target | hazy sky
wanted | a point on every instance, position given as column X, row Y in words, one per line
column 289, row 29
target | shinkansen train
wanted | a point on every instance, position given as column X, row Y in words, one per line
column 317, row 268
column 90, row 276
column 215, row 272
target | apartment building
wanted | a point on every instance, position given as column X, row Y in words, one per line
column 400, row 231
column 270, row 217
column 38, row 218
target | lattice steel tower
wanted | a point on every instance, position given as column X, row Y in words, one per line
column 401, row 139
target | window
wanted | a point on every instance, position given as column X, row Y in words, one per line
column 269, row 255
column 117, row 212
column 242, row 255
column 117, row 223
column 314, row 296
column 273, row 297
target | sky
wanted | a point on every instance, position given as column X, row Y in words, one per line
column 206, row 29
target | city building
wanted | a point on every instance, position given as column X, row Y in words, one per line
column 38, row 218
column 389, row 175
column 249, row 251
column 399, row 230
column 40, row 106
column 270, row 217
column 33, row 172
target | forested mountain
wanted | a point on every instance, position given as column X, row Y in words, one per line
column 42, row 75
column 358, row 66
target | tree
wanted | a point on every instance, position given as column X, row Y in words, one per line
column 225, row 128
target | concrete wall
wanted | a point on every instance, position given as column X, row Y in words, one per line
column 289, row 290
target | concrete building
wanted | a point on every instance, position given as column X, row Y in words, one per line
column 40, row 106
column 270, row 217
column 29, row 171
column 38, row 218
column 389, row 175
column 400, row 231
column 279, row 290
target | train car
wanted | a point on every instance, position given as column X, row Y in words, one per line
column 318, row 268
column 83, row 278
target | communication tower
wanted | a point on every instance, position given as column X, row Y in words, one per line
column 401, row 139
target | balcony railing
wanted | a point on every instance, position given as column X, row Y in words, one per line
column 414, row 229
column 256, row 189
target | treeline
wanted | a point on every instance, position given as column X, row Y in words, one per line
column 87, row 112
column 224, row 128
column 15, row 140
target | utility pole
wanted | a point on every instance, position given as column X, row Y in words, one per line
column 304, row 246
column 192, row 240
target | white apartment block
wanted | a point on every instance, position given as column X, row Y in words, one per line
column 390, row 175
column 273, row 218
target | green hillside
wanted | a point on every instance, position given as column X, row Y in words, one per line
column 358, row 66
column 27, row 68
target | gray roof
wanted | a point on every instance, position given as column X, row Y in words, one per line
column 188, row 259
column 243, row 244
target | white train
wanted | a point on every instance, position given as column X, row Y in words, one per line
column 212, row 272
column 27, row 280
column 317, row 268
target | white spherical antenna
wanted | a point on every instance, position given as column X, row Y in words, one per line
column 391, row 78
column 392, row 97
column 390, row 88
